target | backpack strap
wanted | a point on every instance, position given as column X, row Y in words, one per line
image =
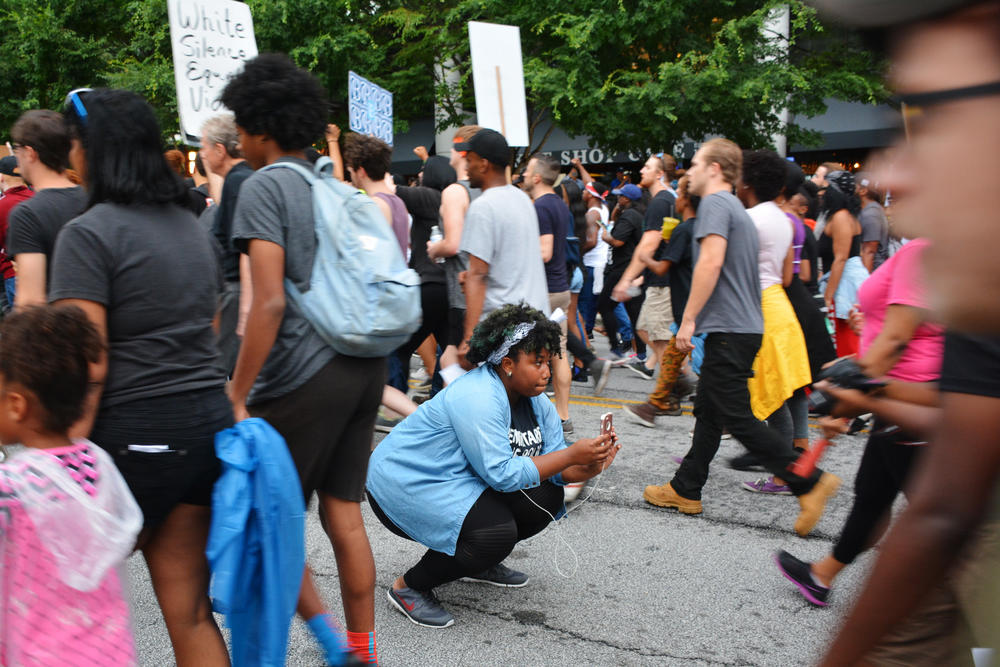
column 323, row 167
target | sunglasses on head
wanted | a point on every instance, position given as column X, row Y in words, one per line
column 74, row 102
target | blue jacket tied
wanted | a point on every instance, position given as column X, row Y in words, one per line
column 256, row 545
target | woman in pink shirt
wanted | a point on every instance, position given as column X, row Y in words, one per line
column 898, row 343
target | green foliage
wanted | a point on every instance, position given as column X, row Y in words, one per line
column 627, row 73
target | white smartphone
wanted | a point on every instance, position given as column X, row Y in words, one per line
column 606, row 423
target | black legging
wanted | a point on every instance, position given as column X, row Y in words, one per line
column 494, row 524
column 434, row 312
column 606, row 307
column 884, row 470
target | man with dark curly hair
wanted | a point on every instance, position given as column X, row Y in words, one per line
column 499, row 463
column 322, row 403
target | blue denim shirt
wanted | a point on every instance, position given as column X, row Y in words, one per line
column 430, row 470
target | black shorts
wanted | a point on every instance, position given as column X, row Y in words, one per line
column 328, row 424
column 456, row 326
column 184, row 426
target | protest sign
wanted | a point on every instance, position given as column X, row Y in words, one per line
column 498, row 77
column 369, row 107
column 211, row 40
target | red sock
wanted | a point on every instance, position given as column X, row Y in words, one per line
column 362, row 644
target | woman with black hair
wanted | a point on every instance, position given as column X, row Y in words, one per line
column 839, row 247
column 480, row 466
column 423, row 202
column 145, row 272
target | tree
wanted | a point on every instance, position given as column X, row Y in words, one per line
column 630, row 74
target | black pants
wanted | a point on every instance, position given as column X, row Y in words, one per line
column 884, row 470
column 494, row 524
column 579, row 350
column 434, row 307
column 606, row 307
column 723, row 400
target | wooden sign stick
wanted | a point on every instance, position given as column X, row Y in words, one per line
column 503, row 124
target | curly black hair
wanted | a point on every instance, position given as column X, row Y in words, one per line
column 48, row 350
column 275, row 97
column 491, row 332
column 765, row 172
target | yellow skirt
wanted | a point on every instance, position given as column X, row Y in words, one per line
column 782, row 364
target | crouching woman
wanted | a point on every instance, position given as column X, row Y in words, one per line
column 481, row 466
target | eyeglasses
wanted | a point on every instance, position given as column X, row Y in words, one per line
column 74, row 101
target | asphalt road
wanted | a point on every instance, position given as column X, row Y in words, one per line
column 618, row 582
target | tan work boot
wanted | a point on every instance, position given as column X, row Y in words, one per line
column 665, row 496
column 814, row 502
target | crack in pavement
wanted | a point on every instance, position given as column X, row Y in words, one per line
column 646, row 653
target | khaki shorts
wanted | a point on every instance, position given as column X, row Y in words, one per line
column 656, row 315
column 561, row 300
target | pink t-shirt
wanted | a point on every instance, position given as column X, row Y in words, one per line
column 900, row 282
column 62, row 625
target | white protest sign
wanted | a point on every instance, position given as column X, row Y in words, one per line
column 211, row 40
column 498, row 77
column 369, row 107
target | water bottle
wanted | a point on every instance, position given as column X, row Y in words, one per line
column 436, row 236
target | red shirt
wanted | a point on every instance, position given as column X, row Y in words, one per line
column 10, row 199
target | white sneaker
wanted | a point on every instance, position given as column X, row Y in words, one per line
column 572, row 491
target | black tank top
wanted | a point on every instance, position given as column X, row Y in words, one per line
column 824, row 248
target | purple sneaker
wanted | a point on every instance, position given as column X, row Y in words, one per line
column 767, row 485
column 678, row 459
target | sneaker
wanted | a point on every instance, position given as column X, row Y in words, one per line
column 747, row 462
column 767, row 485
column 677, row 459
column 567, row 427
column 673, row 408
column 421, row 608
column 800, row 573
column 639, row 368
column 384, row 423
column 644, row 413
column 580, row 374
column 814, row 502
column 858, row 424
column 572, row 491
column 420, row 376
column 600, row 371
column 500, row 575
column 665, row 496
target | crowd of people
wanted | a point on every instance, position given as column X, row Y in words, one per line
column 145, row 314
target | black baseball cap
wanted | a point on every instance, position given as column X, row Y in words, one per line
column 868, row 14
column 488, row 144
column 8, row 166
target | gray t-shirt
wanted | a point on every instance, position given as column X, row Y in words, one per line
column 734, row 306
column 875, row 227
column 501, row 228
column 155, row 269
column 276, row 206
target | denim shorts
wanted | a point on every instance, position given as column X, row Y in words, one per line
column 576, row 281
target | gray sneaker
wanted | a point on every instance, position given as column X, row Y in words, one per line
column 600, row 371
column 640, row 369
column 421, row 608
column 500, row 575
column 567, row 425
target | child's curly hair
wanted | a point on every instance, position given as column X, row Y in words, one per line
column 48, row 350
column 491, row 333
